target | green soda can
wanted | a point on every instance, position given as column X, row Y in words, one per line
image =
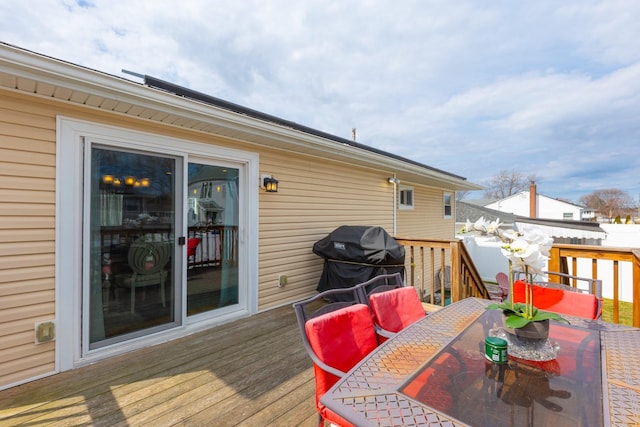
column 495, row 349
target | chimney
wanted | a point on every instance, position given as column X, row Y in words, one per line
column 533, row 198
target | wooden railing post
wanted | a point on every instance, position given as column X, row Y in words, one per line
column 554, row 261
column 456, row 282
column 636, row 288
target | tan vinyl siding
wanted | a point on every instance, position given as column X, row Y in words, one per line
column 426, row 219
column 27, row 234
column 314, row 197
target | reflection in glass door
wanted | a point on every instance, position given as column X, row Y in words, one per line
column 131, row 286
column 212, row 241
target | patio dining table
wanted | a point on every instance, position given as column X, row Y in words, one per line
column 435, row 373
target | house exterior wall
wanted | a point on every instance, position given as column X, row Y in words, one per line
column 315, row 196
column 548, row 208
column 27, row 237
column 426, row 219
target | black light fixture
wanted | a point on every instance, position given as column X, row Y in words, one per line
column 270, row 184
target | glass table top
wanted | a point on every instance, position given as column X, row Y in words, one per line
column 460, row 382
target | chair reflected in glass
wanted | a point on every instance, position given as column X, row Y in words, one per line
column 148, row 261
column 192, row 245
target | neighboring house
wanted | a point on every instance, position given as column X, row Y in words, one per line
column 134, row 214
column 534, row 205
column 589, row 214
column 573, row 232
column 485, row 252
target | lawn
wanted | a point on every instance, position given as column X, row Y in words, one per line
column 626, row 315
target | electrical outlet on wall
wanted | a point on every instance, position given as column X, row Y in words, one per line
column 45, row 331
column 282, row 281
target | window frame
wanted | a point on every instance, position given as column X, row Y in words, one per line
column 448, row 205
column 403, row 190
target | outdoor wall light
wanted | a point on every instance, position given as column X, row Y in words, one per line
column 269, row 183
column 394, row 180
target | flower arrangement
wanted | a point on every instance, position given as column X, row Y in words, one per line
column 527, row 252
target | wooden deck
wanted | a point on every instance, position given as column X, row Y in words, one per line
column 250, row 372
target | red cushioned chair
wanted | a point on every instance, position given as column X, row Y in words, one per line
column 192, row 244
column 394, row 310
column 503, row 283
column 393, row 306
column 337, row 336
column 557, row 300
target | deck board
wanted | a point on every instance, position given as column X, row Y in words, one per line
column 250, row 372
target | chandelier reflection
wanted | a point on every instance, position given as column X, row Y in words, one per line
column 128, row 181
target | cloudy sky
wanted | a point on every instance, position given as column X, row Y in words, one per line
column 545, row 87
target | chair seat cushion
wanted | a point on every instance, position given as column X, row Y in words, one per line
column 396, row 309
column 341, row 339
column 559, row 300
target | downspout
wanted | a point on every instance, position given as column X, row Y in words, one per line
column 395, row 182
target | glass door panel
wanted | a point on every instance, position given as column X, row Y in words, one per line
column 212, row 241
column 131, row 244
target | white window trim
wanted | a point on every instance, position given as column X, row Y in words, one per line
column 404, row 206
column 69, row 221
column 444, row 205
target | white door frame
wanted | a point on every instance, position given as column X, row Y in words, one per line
column 69, row 228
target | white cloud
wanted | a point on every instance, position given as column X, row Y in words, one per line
column 546, row 87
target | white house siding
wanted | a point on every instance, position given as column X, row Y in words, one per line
column 547, row 207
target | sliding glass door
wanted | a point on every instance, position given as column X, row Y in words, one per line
column 212, row 241
column 131, row 284
column 136, row 249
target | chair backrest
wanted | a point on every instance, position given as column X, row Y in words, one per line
column 148, row 257
column 394, row 310
column 336, row 336
column 192, row 244
column 594, row 286
column 568, row 281
column 341, row 339
column 380, row 283
column 503, row 282
column 563, row 301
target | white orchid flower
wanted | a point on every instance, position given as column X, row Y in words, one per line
column 527, row 251
column 493, row 227
column 480, row 225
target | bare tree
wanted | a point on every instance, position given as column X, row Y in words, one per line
column 507, row 183
column 609, row 202
column 462, row 194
